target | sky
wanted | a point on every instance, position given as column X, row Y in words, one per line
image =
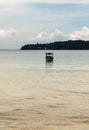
column 32, row 21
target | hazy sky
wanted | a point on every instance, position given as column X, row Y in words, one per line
column 32, row 21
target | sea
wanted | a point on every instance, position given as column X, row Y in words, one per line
column 22, row 70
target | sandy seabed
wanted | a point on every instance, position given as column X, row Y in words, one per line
column 61, row 103
column 53, row 111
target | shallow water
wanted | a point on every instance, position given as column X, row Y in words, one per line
column 21, row 70
column 31, row 87
column 63, row 60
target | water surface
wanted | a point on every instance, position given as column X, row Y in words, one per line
column 22, row 70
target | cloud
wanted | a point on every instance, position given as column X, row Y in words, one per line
column 12, row 1
column 4, row 2
column 57, row 1
column 12, row 5
column 43, row 36
column 8, row 33
column 68, row 1
column 82, row 34
column 57, row 35
column 20, row 5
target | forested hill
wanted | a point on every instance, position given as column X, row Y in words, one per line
column 59, row 45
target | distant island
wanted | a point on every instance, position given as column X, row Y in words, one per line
column 59, row 45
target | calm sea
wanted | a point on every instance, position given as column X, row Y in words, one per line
column 35, row 60
column 22, row 70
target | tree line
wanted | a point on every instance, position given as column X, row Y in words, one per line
column 59, row 45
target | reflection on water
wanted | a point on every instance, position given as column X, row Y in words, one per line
column 49, row 64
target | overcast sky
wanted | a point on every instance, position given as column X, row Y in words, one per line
column 32, row 21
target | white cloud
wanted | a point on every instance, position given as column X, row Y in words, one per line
column 43, row 36
column 82, row 34
column 2, row 2
column 42, row 1
column 54, row 36
column 57, row 35
column 8, row 33
column 67, row 1
column 14, row 5
column 58, row 1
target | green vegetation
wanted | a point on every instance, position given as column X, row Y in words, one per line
column 59, row 45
